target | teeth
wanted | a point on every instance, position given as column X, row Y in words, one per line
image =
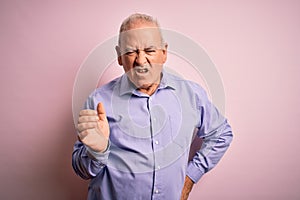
column 142, row 70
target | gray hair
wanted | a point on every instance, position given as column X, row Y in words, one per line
column 125, row 26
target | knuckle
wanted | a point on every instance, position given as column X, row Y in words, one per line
column 83, row 134
column 82, row 112
column 78, row 127
column 89, row 118
column 93, row 118
column 85, row 119
column 87, row 112
column 81, row 127
column 85, row 126
column 80, row 119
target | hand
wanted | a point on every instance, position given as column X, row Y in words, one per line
column 93, row 128
column 187, row 188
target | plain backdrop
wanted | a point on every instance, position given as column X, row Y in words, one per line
column 255, row 46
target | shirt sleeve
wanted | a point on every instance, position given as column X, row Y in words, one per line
column 86, row 162
column 216, row 133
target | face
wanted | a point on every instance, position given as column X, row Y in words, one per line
column 142, row 54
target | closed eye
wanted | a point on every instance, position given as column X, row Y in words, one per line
column 150, row 51
column 129, row 53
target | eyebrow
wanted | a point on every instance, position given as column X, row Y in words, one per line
column 129, row 49
column 151, row 47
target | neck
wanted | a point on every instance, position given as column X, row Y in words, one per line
column 150, row 89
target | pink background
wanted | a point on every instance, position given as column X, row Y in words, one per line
column 255, row 46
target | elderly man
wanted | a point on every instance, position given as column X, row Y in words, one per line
column 135, row 132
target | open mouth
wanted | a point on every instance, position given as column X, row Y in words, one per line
column 142, row 70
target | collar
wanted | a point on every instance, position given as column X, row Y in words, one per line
column 167, row 81
column 127, row 87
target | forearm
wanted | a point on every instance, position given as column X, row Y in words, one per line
column 86, row 164
column 187, row 188
column 212, row 150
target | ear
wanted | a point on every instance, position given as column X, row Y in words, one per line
column 119, row 55
column 165, row 52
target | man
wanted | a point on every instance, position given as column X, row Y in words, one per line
column 135, row 132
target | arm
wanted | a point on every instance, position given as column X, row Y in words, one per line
column 212, row 150
column 86, row 164
column 200, row 164
column 187, row 188
column 216, row 134
column 91, row 151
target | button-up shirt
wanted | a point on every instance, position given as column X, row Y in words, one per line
column 150, row 138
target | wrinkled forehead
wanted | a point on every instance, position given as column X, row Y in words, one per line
column 140, row 38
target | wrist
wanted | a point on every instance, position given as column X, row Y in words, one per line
column 187, row 188
column 98, row 155
column 101, row 147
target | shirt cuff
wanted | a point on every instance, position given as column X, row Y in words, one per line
column 99, row 156
column 194, row 172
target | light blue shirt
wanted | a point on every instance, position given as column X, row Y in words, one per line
column 150, row 138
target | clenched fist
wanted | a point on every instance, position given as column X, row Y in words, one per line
column 93, row 128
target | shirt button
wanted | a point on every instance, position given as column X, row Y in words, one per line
column 158, row 167
column 156, row 142
column 154, row 119
column 156, row 191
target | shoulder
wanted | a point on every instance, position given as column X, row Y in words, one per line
column 181, row 83
column 187, row 90
column 102, row 94
column 107, row 88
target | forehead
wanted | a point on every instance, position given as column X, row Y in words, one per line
column 141, row 37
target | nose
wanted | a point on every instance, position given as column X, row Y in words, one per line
column 141, row 58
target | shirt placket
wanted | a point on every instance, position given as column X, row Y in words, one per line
column 157, row 187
